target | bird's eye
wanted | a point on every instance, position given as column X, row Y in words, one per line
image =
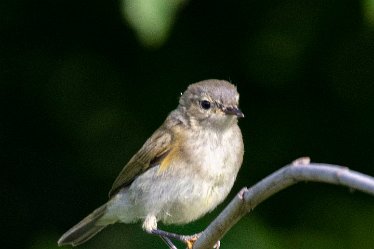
column 205, row 104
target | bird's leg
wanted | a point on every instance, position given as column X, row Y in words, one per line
column 189, row 240
column 168, row 242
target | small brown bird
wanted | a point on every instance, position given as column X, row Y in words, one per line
column 184, row 170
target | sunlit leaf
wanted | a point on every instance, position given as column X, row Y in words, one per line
column 152, row 20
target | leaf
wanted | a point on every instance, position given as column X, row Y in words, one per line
column 152, row 20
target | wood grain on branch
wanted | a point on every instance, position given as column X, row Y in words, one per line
column 300, row 170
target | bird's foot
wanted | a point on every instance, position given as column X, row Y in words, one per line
column 189, row 240
column 192, row 239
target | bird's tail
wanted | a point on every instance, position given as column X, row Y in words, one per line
column 85, row 229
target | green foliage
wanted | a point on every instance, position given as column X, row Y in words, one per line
column 369, row 11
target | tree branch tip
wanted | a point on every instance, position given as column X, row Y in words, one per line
column 301, row 161
column 283, row 178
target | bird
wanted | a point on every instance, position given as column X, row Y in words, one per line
column 184, row 170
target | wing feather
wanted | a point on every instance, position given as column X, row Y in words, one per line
column 154, row 150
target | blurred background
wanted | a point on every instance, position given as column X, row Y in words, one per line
column 84, row 84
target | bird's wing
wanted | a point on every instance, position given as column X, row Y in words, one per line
column 153, row 152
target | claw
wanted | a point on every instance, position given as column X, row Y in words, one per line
column 217, row 245
column 190, row 241
column 242, row 192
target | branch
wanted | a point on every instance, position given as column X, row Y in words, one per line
column 300, row 170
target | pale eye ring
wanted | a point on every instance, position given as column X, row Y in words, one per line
column 205, row 104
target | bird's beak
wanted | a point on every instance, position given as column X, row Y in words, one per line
column 233, row 111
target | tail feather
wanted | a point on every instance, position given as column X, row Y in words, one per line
column 85, row 229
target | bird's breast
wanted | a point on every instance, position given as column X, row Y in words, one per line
column 214, row 155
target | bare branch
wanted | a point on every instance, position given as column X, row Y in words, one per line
column 300, row 170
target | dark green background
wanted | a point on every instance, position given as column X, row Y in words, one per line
column 80, row 94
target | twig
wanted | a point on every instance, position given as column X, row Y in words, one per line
column 300, row 170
